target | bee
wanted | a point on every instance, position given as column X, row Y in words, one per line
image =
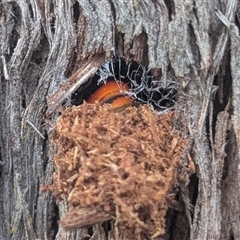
column 122, row 84
column 113, row 93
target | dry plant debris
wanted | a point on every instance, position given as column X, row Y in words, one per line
column 116, row 165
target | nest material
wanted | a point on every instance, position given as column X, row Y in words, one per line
column 118, row 166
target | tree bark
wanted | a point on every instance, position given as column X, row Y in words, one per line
column 46, row 45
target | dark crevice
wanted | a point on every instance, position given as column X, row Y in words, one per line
column 194, row 46
column 142, row 40
column 52, row 19
column 113, row 11
column 36, row 202
column 13, row 43
column 170, row 6
column 39, row 56
column 45, row 160
column 223, row 80
column 107, row 227
column 195, row 11
column 89, row 233
column 74, row 56
column 174, row 222
column 232, row 234
column 23, row 101
column 71, row 64
column 30, row 10
column 193, row 189
column 76, row 11
column 14, row 36
column 114, row 30
column 172, row 216
column 56, row 218
column 230, row 151
column 237, row 21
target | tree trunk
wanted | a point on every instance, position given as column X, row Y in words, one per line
column 55, row 46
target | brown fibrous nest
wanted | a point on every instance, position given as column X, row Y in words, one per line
column 116, row 165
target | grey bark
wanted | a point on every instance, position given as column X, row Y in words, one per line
column 43, row 43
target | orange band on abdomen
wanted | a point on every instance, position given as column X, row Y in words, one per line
column 112, row 91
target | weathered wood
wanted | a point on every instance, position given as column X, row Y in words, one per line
column 44, row 43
